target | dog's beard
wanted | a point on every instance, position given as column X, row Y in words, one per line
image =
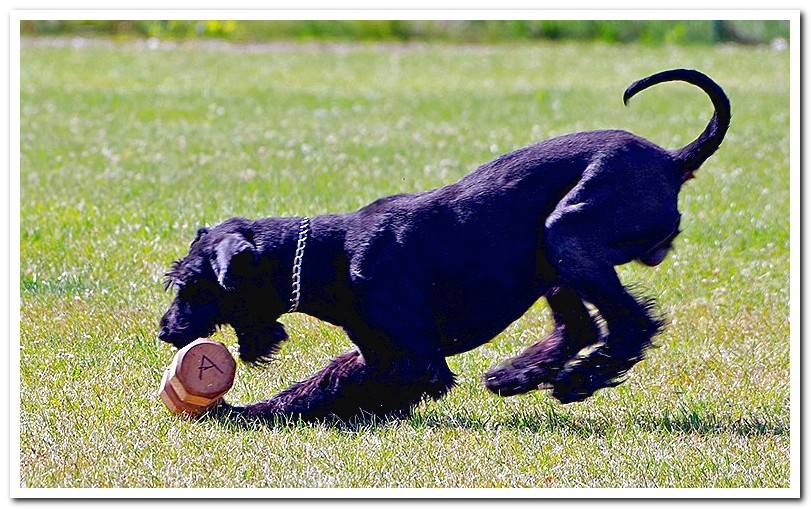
column 259, row 345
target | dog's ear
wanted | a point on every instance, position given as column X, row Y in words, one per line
column 200, row 232
column 233, row 256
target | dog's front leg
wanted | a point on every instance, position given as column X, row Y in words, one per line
column 539, row 364
column 349, row 387
column 259, row 342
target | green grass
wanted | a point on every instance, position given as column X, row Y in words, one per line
column 126, row 151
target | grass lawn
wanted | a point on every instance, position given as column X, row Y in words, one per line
column 127, row 150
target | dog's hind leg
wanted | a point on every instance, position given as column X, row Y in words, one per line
column 539, row 364
column 630, row 323
column 631, row 327
column 349, row 386
column 622, row 207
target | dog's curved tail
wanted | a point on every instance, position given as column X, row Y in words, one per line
column 693, row 155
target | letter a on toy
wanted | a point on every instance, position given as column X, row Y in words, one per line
column 205, row 364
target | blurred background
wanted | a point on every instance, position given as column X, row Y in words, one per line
column 655, row 32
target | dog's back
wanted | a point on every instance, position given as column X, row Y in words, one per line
column 472, row 248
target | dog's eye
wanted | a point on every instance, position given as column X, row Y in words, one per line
column 194, row 294
column 198, row 292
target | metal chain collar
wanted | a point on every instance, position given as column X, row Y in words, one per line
column 303, row 232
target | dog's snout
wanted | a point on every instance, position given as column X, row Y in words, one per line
column 163, row 329
column 163, row 334
column 167, row 335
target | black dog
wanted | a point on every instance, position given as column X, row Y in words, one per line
column 415, row 278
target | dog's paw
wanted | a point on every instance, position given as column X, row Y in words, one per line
column 535, row 368
column 587, row 373
column 507, row 379
column 222, row 410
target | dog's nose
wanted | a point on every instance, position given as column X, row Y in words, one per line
column 163, row 335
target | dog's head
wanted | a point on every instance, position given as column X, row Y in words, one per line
column 219, row 282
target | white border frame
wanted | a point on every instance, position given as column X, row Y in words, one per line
column 16, row 491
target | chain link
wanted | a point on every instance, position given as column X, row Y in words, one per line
column 303, row 232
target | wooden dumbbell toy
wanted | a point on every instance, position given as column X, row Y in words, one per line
column 200, row 374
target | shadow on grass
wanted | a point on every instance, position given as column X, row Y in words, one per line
column 554, row 421
column 549, row 420
column 229, row 416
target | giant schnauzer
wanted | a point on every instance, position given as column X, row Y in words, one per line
column 415, row 278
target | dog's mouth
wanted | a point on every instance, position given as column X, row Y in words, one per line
column 181, row 338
